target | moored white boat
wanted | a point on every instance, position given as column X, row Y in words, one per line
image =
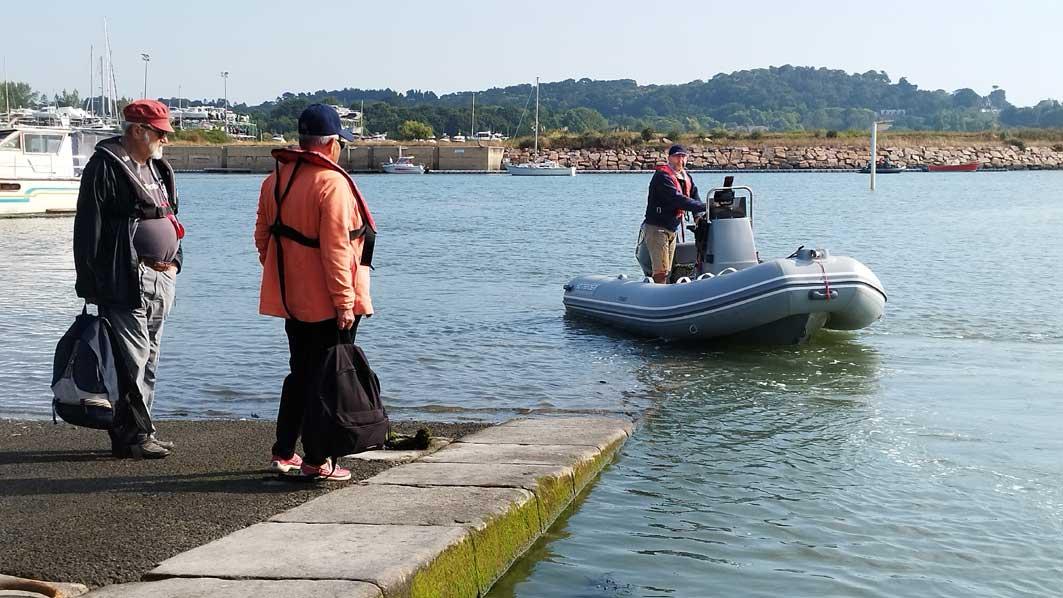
column 545, row 168
column 37, row 171
column 404, row 165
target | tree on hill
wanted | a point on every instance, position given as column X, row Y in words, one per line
column 782, row 98
column 67, row 99
column 412, row 129
column 17, row 94
column 1047, row 113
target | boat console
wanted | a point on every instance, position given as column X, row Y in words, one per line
column 729, row 239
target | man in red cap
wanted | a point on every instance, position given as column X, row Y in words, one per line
column 127, row 253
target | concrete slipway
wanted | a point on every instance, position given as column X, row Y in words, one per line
column 448, row 524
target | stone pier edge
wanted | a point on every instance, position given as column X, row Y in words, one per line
column 475, row 554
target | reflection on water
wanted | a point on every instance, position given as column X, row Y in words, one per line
column 765, row 472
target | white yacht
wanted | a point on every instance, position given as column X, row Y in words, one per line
column 404, row 165
column 38, row 175
column 544, row 167
column 489, row 136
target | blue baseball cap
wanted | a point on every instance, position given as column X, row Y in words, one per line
column 320, row 119
column 678, row 149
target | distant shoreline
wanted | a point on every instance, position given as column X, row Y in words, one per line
column 822, row 158
column 708, row 157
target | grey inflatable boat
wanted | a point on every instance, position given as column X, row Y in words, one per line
column 730, row 292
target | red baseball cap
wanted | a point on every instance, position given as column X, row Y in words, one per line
column 148, row 112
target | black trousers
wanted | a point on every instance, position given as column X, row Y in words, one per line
column 307, row 343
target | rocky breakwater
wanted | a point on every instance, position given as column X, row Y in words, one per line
column 799, row 158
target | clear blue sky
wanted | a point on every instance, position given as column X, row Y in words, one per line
column 270, row 46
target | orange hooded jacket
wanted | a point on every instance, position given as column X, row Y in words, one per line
column 323, row 203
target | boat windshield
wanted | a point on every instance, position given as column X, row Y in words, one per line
column 10, row 140
column 43, row 143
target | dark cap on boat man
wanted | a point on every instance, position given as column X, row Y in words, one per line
column 672, row 192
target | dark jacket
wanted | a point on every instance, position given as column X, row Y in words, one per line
column 110, row 203
column 666, row 202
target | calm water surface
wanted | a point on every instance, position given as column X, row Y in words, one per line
column 920, row 457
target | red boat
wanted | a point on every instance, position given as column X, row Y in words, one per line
column 968, row 167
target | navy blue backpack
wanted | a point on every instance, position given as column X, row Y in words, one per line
column 84, row 375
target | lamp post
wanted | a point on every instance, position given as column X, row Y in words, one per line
column 146, row 58
column 225, row 100
column 225, row 89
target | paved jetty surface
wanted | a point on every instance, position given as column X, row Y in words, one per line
column 72, row 513
column 449, row 524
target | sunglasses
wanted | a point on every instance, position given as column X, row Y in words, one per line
column 158, row 132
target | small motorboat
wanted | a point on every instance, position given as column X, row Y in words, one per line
column 968, row 167
column 404, row 165
column 886, row 167
column 730, row 292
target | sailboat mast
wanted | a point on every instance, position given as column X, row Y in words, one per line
column 110, row 65
column 91, row 81
column 7, row 94
column 103, row 104
column 536, row 116
column 472, row 130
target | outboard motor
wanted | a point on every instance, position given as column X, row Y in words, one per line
column 730, row 243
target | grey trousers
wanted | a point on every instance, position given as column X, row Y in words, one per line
column 138, row 335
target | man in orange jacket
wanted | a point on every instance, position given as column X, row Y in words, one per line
column 314, row 275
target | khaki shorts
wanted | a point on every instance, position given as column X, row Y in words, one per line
column 660, row 242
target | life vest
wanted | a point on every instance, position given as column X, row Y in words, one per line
column 684, row 188
column 368, row 228
column 278, row 229
column 147, row 206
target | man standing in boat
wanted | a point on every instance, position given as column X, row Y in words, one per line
column 127, row 253
column 672, row 192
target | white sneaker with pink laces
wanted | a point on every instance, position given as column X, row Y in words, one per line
column 326, row 472
column 279, row 464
